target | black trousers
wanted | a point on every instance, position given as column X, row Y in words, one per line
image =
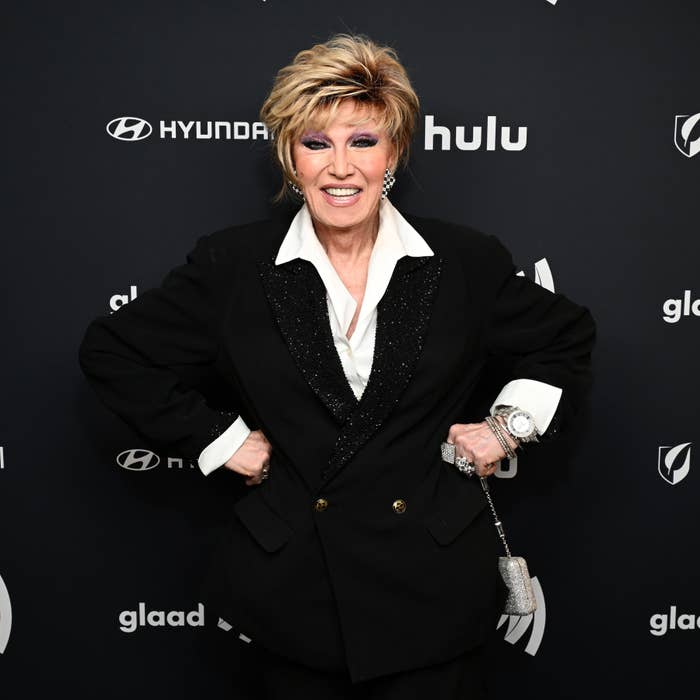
column 268, row 676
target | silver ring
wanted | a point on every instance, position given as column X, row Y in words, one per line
column 449, row 454
column 465, row 466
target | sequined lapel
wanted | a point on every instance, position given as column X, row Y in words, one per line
column 297, row 297
column 403, row 315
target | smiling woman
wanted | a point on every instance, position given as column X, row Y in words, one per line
column 345, row 342
column 308, row 93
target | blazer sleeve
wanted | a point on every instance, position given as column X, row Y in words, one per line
column 132, row 357
column 538, row 335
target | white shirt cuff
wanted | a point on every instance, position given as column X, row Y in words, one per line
column 539, row 399
column 222, row 449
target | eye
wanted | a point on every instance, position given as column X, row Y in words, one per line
column 365, row 142
column 313, row 144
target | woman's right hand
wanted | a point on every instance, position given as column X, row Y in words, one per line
column 250, row 458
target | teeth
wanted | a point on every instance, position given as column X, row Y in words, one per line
column 342, row 191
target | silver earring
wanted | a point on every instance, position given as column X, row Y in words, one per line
column 389, row 181
column 295, row 188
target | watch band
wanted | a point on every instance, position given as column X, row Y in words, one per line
column 506, row 412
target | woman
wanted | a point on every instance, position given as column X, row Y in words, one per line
column 348, row 342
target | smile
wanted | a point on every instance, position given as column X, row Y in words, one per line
column 341, row 196
column 342, row 191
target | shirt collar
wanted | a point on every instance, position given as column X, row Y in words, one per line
column 396, row 238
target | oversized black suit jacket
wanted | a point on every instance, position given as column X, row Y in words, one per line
column 357, row 583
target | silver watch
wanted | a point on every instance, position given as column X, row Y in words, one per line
column 519, row 423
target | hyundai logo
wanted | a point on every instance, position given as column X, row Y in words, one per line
column 129, row 128
column 138, row 460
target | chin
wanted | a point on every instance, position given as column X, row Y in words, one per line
column 342, row 217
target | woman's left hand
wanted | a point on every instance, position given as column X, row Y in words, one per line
column 479, row 445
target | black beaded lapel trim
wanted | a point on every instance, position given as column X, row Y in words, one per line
column 403, row 315
column 297, row 297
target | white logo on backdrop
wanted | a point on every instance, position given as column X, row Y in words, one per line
column 131, row 620
column 660, row 623
column 683, row 132
column 543, row 275
column 476, row 138
column 552, row 2
column 675, row 309
column 137, row 129
column 129, row 128
column 138, row 460
column 238, row 131
column 2, row 457
column 508, row 471
column 517, row 626
column 116, row 301
column 5, row 616
column 226, row 627
column 674, row 462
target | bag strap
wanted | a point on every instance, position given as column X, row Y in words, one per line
column 497, row 522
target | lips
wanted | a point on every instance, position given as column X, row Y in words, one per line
column 341, row 196
column 341, row 191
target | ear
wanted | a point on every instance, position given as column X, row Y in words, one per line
column 393, row 159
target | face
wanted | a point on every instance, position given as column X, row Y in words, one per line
column 341, row 169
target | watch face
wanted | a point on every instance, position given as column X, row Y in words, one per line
column 521, row 424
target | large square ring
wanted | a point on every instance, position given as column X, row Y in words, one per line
column 448, row 452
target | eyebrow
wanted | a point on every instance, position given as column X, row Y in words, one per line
column 322, row 136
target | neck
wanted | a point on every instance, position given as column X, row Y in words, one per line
column 348, row 244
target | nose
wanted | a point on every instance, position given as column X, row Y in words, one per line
column 340, row 165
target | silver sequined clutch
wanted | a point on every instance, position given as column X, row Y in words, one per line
column 521, row 597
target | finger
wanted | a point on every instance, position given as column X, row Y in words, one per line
column 458, row 429
column 488, row 469
column 453, row 432
column 460, row 452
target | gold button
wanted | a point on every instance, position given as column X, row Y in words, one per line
column 321, row 504
column 399, row 505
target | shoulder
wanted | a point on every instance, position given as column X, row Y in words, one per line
column 247, row 242
column 449, row 238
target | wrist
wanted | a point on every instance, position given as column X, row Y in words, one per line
column 512, row 440
column 518, row 423
column 501, row 436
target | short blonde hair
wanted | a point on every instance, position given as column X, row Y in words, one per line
column 309, row 90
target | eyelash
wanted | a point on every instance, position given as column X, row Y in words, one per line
column 312, row 143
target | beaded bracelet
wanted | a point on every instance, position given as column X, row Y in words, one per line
column 496, row 430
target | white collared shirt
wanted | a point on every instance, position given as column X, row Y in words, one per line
column 395, row 239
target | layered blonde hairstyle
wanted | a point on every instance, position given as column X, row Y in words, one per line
column 306, row 94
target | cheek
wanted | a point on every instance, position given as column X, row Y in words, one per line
column 377, row 176
column 309, row 167
column 376, row 167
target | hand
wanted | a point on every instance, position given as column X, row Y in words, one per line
column 479, row 445
column 250, row 458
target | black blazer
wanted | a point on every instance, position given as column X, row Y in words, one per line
column 356, row 584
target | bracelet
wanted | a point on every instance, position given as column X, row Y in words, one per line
column 496, row 430
column 505, row 432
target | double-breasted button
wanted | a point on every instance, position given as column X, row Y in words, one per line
column 320, row 504
column 399, row 505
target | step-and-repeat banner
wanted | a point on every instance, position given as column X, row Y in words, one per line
column 570, row 129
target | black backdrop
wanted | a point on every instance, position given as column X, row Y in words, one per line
column 603, row 190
